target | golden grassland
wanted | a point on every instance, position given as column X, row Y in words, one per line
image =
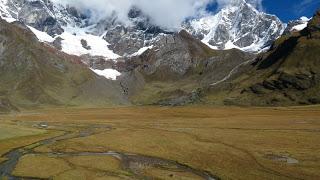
column 229, row 142
column 164, row 174
column 14, row 136
column 82, row 167
column 40, row 166
column 9, row 131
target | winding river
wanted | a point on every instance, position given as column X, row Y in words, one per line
column 128, row 161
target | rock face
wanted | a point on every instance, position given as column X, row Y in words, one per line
column 40, row 14
column 126, row 40
column 176, row 69
column 239, row 25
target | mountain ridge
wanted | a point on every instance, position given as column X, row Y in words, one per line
column 128, row 39
column 73, row 62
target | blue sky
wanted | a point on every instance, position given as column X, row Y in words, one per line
column 291, row 9
column 287, row 10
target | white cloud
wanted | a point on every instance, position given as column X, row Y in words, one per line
column 165, row 13
column 170, row 13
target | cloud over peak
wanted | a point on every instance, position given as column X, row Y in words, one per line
column 168, row 14
column 165, row 13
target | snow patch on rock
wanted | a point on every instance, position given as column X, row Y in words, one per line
column 4, row 12
column 303, row 18
column 42, row 36
column 141, row 51
column 71, row 43
column 304, row 23
column 111, row 74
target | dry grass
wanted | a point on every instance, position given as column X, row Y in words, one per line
column 232, row 143
column 106, row 163
column 13, row 131
column 40, row 166
column 15, row 134
column 85, row 174
column 78, row 167
column 165, row 174
column 8, row 144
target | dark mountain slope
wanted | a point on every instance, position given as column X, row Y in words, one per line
column 33, row 74
column 288, row 74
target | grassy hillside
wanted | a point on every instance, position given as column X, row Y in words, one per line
column 33, row 74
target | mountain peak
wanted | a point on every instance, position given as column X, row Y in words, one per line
column 237, row 2
column 239, row 25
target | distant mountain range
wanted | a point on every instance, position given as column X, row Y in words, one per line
column 238, row 25
column 65, row 59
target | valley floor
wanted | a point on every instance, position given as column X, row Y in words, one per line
column 162, row 143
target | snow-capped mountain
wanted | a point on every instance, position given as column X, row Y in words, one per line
column 64, row 27
column 238, row 25
column 71, row 31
